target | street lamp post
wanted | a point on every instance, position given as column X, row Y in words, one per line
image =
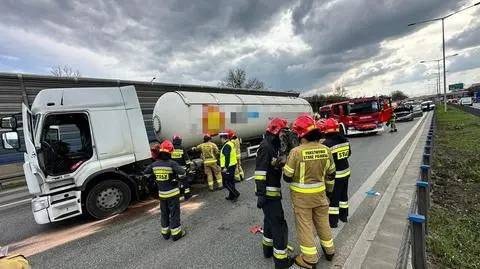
column 438, row 68
column 443, row 45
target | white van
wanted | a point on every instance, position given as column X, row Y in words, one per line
column 466, row 101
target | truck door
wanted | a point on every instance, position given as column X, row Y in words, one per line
column 33, row 174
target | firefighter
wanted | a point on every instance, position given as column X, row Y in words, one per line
column 209, row 156
column 180, row 155
column 340, row 148
column 393, row 122
column 167, row 174
column 268, row 173
column 309, row 168
column 228, row 162
column 239, row 175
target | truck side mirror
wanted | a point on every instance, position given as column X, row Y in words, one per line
column 8, row 123
column 10, row 140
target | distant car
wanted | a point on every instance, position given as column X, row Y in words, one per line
column 428, row 105
column 417, row 110
column 404, row 113
column 466, row 101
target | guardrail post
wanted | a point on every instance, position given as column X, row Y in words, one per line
column 429, row 142
column 425, row 172
column 419, row 254
column 426, row 159
column 428, row 149
column 423, row 201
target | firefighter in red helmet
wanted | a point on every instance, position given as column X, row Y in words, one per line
column 180, row 155
column 268, row 174
column 228, row 162
column 340, row 148
column 309, row 169
column 209, row 155
column 168, row 173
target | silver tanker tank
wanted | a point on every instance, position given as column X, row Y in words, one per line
column 192, row 114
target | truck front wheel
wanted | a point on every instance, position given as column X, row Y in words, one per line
column 108, row 198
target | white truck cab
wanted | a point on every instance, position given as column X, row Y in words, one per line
column 64, row 157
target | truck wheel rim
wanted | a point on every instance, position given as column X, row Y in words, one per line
column 109, row 198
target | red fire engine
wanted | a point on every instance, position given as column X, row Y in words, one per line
column 359, row 116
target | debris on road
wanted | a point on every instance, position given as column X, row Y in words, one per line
column 372, row 193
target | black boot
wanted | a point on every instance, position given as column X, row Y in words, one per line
column 182, row 234
column 187, row 196
column 283, row 263
column 343, row 219
column 300, row 262
column 166, row 236
column 329, row 257
column 267, row 251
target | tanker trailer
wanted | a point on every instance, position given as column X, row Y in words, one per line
column 192, row 114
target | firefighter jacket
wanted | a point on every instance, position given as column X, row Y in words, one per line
column 228, row 155
column 180, row 155
column 307, row 167
column 267, row 172
column 209, row 152
column 236, row 142
column 340, row 148
column 14, row 262
column 167, row 173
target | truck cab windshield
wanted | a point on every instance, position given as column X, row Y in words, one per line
column 363, row 108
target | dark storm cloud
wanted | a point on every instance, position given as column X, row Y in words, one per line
column 152, row 34
column 466, row 61
column 466, row 39
column 339, row 26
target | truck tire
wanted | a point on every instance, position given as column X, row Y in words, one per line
column 108, row 198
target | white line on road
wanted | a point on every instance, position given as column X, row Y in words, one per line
column 16, row 203
column 250, row 178
column 357, row 255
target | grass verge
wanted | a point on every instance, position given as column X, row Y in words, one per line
column 454, row 218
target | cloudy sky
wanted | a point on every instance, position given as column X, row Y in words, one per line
column 304, row 45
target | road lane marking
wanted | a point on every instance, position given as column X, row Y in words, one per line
column 16, row 203
column 360, row 250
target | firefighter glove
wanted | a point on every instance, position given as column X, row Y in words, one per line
column 261, row 201
column 224, row 170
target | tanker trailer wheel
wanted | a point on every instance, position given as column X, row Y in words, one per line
column 108, row 198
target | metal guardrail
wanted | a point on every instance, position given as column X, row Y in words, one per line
column 467, row 109
column 414, row 237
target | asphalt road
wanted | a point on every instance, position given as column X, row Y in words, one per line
column 218, row 231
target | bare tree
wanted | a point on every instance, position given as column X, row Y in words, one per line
column 340, row 91
column 66, row 71
column 237, row 78
column 399, row 95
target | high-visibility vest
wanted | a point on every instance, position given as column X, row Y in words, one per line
column 233, row 155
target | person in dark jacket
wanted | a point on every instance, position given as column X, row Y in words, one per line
column 180, row 155
column 268, row 174
column 340, row 148
column 167, row 174
column 228, row 163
